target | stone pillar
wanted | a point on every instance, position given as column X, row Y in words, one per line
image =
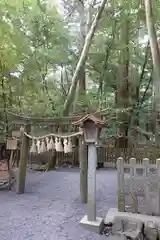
column 120, row 184
column 83, row 162
column 91, row 221
column 148, row 209
column 132, row 163
column 92, row 164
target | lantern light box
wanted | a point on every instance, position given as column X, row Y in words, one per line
column 16, row 134
column 91, row 126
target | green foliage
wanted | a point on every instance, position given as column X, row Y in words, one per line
column 33, row 42
column 36, row 44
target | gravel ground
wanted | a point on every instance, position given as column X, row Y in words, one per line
column 50, row 209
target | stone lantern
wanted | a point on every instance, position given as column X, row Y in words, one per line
column 91, row 126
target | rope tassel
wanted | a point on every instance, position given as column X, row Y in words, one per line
column 51, row 145
column 42, row 146
column 47, row 142
column 70, row 147
column 38, row 146
column 33, row 148
column 67, row 145
column 58, row 145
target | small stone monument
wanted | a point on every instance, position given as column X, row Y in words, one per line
column 12, row 144
column 151, row 231
column 91, row 126
column 129, row 227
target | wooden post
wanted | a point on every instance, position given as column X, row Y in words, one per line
column 83, row 170
column 23, row 161
column 10, row 170
column 120, row 184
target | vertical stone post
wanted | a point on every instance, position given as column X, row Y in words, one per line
column 83, row 170
column 147, row 192
column 132, row 163
column 120, row 184
column 92, row 164
column 23, row 161
column 91, row 129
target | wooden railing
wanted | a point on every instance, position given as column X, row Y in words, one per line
column 107, row 155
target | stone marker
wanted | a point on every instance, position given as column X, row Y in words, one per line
column 128, row 226
column 151, row 223
column 92, row 163
column 151, row 231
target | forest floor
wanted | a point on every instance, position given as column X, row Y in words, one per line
column 50, row 208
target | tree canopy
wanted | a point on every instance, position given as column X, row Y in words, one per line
column 40, row 49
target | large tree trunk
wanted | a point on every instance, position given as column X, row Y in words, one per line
column 81, row 95
column 136, row 100
column 123, row 87
column 4, row 97
column 75, row 79
column 81, row 75
column 156, row 60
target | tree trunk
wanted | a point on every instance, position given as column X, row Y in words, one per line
column 155, row 58
column 81, row 97
column 135, row 94
column 123, row 87
column 52, row 161
column 88, row 39
column 81, row 75
column 24, row 151
column 4, row 96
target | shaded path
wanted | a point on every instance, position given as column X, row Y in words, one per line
column 50, row 208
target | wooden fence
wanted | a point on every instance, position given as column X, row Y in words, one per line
column 107, row 155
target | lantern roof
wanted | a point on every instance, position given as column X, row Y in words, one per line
column 89, row 117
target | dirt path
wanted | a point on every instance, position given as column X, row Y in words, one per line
column 50, row 208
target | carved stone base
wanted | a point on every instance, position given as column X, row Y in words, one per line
column 113, row 212
column 93, row 226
